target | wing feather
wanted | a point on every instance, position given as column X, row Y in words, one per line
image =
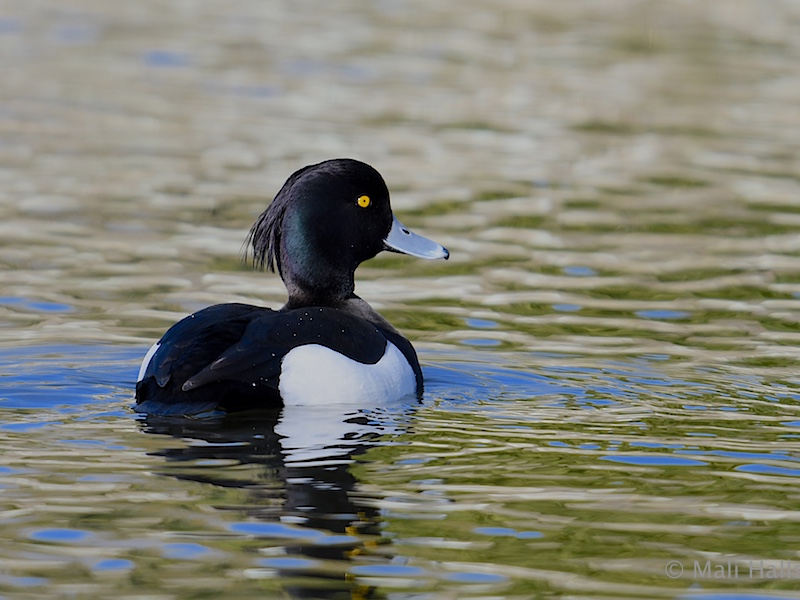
column 257, row 356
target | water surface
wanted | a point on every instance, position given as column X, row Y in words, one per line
column 611, row 406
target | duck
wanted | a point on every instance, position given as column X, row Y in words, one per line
column 326, row 344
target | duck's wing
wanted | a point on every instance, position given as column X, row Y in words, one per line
column 186, row 348
column 256, row 358
column 196, row 340
column 229, row 356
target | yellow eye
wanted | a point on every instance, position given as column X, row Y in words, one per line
column 364, row 201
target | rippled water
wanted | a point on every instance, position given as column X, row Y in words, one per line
column 611, row 405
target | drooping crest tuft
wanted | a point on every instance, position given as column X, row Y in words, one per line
column 265, row 234
column 265, row 237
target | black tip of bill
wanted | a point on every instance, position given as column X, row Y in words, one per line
column 401, row 239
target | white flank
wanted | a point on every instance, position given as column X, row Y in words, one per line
column 147, row 358
column 314, row 374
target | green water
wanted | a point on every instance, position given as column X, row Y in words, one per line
column 611, row 405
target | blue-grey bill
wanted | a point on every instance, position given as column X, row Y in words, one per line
column 402, row 239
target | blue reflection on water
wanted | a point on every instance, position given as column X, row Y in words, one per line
column 668, row 315
column 185, row 551
column 734, row 596
column 27, row 426
column 22, row 582
column 768, row 470
column 273, row 530
column 60, row 536
column 567, row 307
column 75, row 33
column 165, row 58
column 655, row 445
column 777, row 455
column 481, row 323
column 64, row 377
column 387, row 570
column 578, row 271
column 8, row 25
column 658, row 461
column 113, row 564
column 34, row 305
column 476, row 578
column 480, row 342
column 508, row 532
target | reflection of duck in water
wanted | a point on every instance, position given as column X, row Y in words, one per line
column 326, row 344
column 300, row 492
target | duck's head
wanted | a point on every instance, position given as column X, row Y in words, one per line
column 326, row 220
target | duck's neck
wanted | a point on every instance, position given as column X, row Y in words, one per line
column 353, row 305
column 319, row 291
column 313, row 275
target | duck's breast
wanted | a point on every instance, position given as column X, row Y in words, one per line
column 315, row 374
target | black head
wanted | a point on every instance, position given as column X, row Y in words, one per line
column 326, row 220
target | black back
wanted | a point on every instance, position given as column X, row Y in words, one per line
column 228, row 357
